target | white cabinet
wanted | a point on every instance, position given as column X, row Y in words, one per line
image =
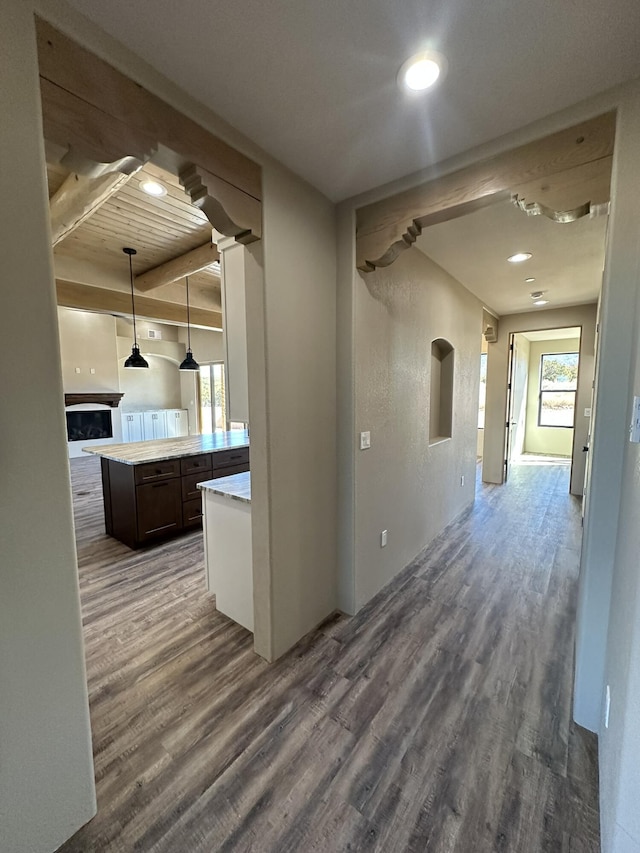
column 177, row 422
column 161, row 423
column 132, row 426
column 155, row 425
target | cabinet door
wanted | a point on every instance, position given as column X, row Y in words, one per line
column 159, row 508
column 155, row 425
column 177, row 422
column 132, row 426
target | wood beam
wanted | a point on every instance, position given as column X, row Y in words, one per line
column 70, row 294
column 386, row 228
column 73, row 69
column 191, row 262
column 78, row 198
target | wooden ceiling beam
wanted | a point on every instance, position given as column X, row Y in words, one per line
column 387, row 227
column 79, row 198
column 85, row 297
column 177, row 268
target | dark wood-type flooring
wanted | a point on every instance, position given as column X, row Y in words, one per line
column 438, row 719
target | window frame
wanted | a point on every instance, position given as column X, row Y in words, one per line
column 573, row 391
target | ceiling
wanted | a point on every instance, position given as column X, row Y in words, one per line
column 160, row 229
column 315, row 83
column 567, row 262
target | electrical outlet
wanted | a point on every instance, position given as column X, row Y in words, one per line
column 77, row 370
column 607, row 707
column 365, row 440
column 383, row 538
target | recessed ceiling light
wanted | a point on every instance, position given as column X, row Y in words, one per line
column 422, row 71
column 519, row 257
column 153, row 188
column 529, row 280
column 541, row 302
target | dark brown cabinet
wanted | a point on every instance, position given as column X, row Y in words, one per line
column 151, row 501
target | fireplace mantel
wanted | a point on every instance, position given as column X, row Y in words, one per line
column 111, row 398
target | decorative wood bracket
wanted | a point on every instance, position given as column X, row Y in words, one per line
column 231, row 212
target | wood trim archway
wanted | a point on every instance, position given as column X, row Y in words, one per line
column 574, row 164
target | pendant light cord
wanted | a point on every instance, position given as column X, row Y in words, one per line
column 133, row 307
column 186, row 278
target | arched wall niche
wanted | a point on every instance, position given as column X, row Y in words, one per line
column 441, row 391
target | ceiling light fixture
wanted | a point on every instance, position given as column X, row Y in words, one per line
column 537, row 297
column 189, row 362
column 422, row 71
column 135, row 359
column 519, row 257
column 541, row 302
column 529, row 280
column 153, row 188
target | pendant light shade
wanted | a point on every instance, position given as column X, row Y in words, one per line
column 135, row 359
column 189, row 362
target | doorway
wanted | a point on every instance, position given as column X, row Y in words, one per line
column 542, row 393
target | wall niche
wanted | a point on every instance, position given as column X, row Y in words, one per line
column 441, row 396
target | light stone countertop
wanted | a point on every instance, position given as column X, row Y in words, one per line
column 158, row 450
column 236, row 486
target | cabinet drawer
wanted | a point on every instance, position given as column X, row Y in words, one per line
column 231, row 458
column 227, row 472
column 195, row 463
column 154, row 471
column 192, row 513
column 189, row 490
column 159, row 509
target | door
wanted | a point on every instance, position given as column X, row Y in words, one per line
column 155, row 425
column 509, row 424
column 132, row 426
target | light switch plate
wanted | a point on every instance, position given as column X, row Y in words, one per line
column 365, row 440
column 587, row 412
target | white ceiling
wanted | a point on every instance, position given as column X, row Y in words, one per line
column 314, row 83
column 567, row 261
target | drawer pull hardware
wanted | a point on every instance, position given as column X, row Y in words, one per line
column 158, row 485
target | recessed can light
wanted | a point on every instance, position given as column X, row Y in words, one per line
column 541, row 302
column 422, row 71
column 519, row 257
column 529, row 280
column 153, row 188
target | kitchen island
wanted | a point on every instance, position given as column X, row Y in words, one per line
column 227, row 545
column 150, row 490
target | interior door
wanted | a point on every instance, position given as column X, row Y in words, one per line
column 510, row 424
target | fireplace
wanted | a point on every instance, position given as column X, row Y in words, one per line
column 89, row 425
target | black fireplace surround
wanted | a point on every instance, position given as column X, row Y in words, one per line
column 87, row 426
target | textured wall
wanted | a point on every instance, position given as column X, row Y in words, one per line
column 404, row 484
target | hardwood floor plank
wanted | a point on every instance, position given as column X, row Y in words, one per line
column 437, row 719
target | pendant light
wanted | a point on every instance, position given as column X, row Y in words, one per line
column 135, row 359
column 189, row 362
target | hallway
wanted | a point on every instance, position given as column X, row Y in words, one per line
column 438, row 719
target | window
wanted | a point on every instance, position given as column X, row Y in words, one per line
column 483, row 389
column 212, row 402
column 558, row 385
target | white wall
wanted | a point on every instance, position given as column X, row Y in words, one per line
column 46, row 770
column 555, row 441
column 404, row 484
column 88, row 342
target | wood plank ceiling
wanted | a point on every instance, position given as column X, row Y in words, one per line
column 159, row 228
